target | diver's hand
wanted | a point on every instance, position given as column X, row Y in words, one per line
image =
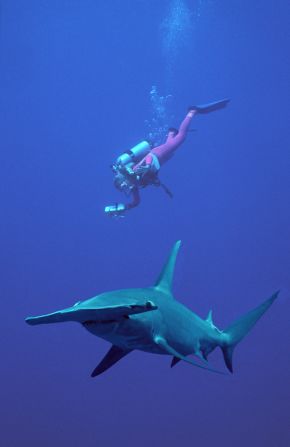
column 141, row 170
column 115, row 210
column 130, row 171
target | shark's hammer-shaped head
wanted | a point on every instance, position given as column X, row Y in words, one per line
column 92, row 311
column 112, row 306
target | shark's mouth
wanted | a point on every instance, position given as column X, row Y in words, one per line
column 92, row 322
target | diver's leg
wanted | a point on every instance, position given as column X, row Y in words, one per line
column 183, row 128
column 165, row 151
column 172, row 132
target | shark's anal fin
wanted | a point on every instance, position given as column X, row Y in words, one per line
column 160, row 341
column 201, row 356
column 164, row 281
column 113, row 356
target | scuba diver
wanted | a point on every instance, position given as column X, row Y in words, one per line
column 139, row 167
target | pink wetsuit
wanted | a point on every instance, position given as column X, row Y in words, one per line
column 163, row 153
column 166, row 150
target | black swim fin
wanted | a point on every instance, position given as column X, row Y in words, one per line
column 211, row 106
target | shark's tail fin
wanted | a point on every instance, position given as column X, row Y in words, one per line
column 234, row 333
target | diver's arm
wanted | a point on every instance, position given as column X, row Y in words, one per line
column 135, row 199
column 118, row 209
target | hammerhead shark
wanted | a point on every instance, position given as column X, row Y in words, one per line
column 151, row 319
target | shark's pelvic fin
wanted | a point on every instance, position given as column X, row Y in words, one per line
column 174, row 361
column 234, row 333
column 113, row 356
column 164, row 282
column 165, row 346
column 198, row 354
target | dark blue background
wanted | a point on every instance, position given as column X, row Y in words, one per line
column 75, row 78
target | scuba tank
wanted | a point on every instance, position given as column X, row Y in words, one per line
column 125, row 177
column 134, row 154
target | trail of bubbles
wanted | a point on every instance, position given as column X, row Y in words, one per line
column 157, row 126
column 177, row 32
column 176, row 28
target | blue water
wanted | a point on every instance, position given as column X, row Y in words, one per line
column 75, row 83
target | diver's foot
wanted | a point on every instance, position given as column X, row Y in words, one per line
column 192, row 110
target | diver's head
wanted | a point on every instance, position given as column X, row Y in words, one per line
column 122, row 183
column 119, row 181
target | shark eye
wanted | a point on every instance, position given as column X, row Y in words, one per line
column 77, row 303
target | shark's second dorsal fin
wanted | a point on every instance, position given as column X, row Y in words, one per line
column 164, row 281
column 209, row 317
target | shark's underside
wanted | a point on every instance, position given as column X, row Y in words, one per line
column 150, row 319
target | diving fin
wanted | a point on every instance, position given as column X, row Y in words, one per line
column 211, row 106
column 113, row 356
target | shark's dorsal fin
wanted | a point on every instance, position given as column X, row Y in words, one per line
column 164, row 281
column 209, row 317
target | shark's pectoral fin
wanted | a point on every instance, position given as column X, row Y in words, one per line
column 160, row 341
column 113, row 356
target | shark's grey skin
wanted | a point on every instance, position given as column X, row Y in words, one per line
column 150, row 319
